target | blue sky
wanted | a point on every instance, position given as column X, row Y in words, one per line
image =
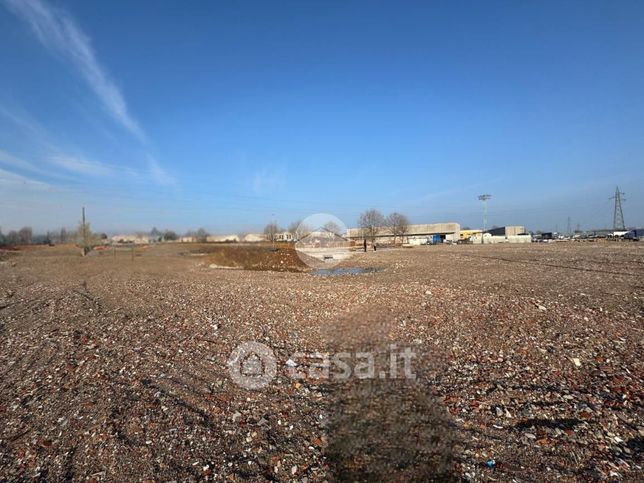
column 224, row 114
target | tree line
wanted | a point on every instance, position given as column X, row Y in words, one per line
column 372, row 223
column 26, row 236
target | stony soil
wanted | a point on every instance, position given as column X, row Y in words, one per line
column 528, row 366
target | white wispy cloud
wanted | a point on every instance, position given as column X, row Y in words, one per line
column 27, row 124
column 9, row 159
column 15, row 179
column 59, row 33
column 81, row 165
column 158, row 173
column 268, row 181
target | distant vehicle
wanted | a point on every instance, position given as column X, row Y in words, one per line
column 434, row 240
column 635, row 235
column 544, row 237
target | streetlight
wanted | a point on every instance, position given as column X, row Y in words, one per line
column 484, row 199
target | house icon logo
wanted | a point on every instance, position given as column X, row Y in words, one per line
column 252, row 365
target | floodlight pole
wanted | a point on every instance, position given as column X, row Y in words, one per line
column 484, row 199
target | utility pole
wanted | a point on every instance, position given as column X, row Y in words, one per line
column 484, row 199
column 84, row 234
column 618, row 214
column 569, row 228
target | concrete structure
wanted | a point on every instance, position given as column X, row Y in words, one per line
column 325, row 246
column 222, row 238
column 512, row 230
column 254, row 238
column 503, row 234
column 131, row 239
column 188, row 239
column 492, row 239
column 416, row 234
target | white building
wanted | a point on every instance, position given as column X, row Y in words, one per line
column 493, row 239
column 416, row 234
column 285, row 236
column 254, row 238
column 131, row 239
column 222, row 238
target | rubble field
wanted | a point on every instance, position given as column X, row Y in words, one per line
column 527, row 364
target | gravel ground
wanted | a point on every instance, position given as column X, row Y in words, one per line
column 528, row 366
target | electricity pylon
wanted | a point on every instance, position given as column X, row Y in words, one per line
column 618, row 214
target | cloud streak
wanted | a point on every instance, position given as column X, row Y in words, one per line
column 14, row 179
column 268, row 181
column 59, row 34
column 16, row 162
column 81, row 165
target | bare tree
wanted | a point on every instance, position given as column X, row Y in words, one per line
column 292, row 228
column 63, row 236
column 398, row 225
column 170, row 235
column 333, row 227
column 299, row 230
column 271, row 231
column 25, row 235
column 3, row 239
column 13, row 238
column 371, row 222
column 155, row 235
column 201, row 235
column 303, row 230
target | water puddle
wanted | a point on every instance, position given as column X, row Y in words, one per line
column 336, row 272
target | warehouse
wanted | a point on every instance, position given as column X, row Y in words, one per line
column 504, row 234
column 512, row 230
column 416, row 234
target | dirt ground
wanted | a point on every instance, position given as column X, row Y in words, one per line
column 528, row 365
column 281, row 257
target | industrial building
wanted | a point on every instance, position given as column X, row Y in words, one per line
column 467, row 233
column 512, row 230
column 503, row 234
column 416, row 234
